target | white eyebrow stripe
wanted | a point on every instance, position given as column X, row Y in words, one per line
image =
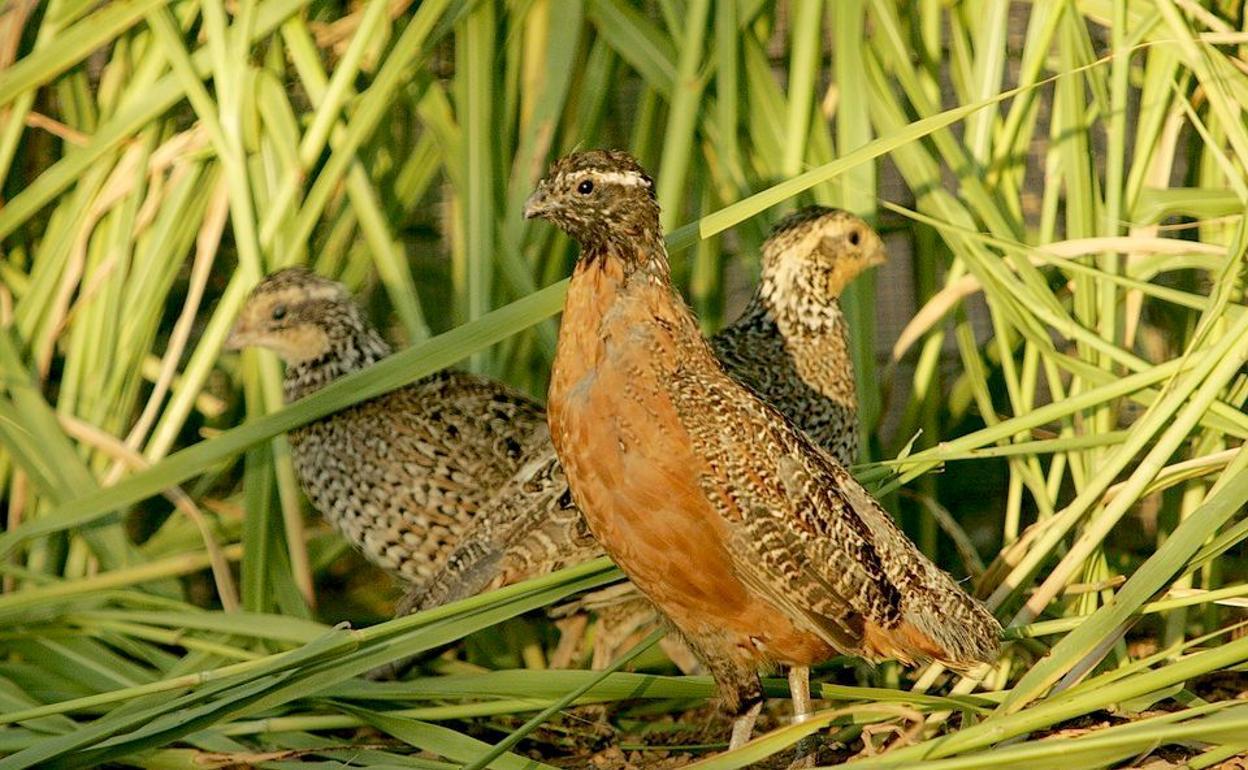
column 625, row 178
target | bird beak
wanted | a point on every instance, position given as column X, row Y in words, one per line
column 879, row 257
column 538, row 204
column 239, row 338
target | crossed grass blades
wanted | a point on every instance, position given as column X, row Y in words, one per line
column 1087, row 182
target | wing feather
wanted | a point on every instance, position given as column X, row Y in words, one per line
column 811, row 540
column 528, row 528
column 796, row 539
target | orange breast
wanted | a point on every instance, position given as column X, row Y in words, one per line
column 634, row 474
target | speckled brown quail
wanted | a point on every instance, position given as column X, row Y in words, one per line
column 400, row 475
column 754, row 542
column 790, row 345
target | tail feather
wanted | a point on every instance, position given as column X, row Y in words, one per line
column 959, row 627
column 904, row 643
column 471, row 569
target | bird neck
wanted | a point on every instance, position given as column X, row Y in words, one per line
column 807, row 374
column 816, row 344
column 798, row 308
column 639, row 251
column 612, row 287
column 348, row 348
column 820, row 322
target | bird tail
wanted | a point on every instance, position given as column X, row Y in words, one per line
column 945, row 623
column 470, row 570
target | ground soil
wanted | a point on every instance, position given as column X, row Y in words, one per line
column 622, row 738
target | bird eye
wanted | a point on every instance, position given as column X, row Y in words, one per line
column 279, row 312
column 585, row 187
column 855, row 237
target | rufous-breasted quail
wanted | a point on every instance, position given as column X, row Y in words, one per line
column 790, row 345
column 757, row 544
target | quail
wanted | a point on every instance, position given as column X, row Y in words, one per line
column 755, row 543
column 400, row 475
column 790, row 345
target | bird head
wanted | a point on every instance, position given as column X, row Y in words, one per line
column 597, row 196
column 813, row 253
column 295, row 313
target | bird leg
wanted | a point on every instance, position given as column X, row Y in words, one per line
column 743, row 725
column 799, row 691
column 619, row 627
column 571, row 633
column 742, row 693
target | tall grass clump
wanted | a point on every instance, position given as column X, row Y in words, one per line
column 1061, row 416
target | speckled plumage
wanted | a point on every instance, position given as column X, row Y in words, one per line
column 400, row 475
column 756, row 544
column 789, row 345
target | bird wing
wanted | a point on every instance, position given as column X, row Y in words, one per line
column 816, row 544
column 960, row 629
column 468, row 571
column 528, row 528
column 798, row 539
